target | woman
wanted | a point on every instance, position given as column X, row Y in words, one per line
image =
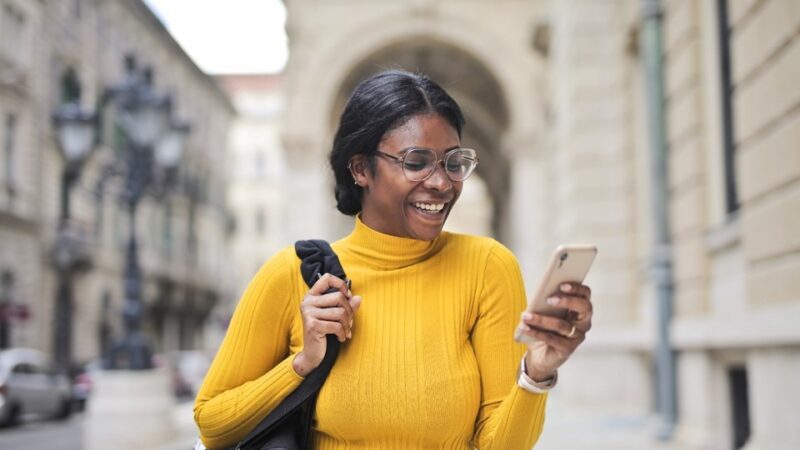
column 428, row 358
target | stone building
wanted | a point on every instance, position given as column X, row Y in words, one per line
column 182, row 237
column 554, row 94
column 257, row 172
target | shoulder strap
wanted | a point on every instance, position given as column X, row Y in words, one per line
column 317, row 258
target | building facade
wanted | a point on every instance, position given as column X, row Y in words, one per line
column 257, row 170
column 182, row 236
column 554, row 94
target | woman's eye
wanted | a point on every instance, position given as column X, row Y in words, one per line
column 454, row 166
column 415, row 165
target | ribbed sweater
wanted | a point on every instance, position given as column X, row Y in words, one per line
column 432, row 363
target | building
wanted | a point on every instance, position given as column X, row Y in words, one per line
column 554, row 94
column 182, row 237
column 257, row 171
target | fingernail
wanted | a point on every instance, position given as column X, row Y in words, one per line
column 527, row 316
column 566, row 287
column 349, row 335
column 552, row 301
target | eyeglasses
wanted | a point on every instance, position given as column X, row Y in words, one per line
column 420, row 163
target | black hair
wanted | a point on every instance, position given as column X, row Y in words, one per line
column 378, row 105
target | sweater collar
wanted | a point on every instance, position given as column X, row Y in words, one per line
column 389, row 252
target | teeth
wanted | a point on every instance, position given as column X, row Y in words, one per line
column 435, row 207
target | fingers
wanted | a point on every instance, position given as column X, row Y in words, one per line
column 336, row 315
column 580, row 307
column 331, row 300
column 546, row 323
column 564, row 346
column 321, row 328
column 343, row 316
column 576, row 289
column 330, row 313
column 326, row 282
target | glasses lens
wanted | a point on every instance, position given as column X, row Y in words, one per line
column 418, row 163
column 460, row 163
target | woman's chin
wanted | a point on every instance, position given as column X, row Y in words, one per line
column 426, row 226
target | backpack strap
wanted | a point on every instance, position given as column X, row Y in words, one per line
column 317, row 258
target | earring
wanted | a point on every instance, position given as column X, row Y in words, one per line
column 356, row 182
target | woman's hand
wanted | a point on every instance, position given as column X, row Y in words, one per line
column 557, row 338
column 324, row 314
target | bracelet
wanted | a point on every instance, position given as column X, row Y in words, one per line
column 536, row 387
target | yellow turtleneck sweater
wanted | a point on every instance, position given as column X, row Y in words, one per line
column 432, row 363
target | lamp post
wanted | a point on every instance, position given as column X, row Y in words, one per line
column 147, row 157
column 153, row 146
column 75, row 133
column 153, row 141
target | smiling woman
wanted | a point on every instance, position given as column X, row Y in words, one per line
column 434, row 331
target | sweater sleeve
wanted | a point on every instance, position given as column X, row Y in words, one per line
column 510, row 417
column 252, row 371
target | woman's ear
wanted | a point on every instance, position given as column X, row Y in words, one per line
column 359, row 170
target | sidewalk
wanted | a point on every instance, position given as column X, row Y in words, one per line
column 573, row 428
column 186, row 433
column 566, row 428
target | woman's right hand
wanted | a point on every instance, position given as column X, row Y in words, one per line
column 324, row 314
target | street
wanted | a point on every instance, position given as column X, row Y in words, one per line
column 566, row 429
column 45, row 435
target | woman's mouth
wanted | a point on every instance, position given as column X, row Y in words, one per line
column 430, row 209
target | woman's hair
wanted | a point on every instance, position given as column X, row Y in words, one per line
column 378, row 105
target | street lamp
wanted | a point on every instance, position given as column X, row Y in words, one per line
column 154, row 142
column 153, row 146
column 75, row 133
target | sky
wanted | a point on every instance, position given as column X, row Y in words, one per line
column 228, row 36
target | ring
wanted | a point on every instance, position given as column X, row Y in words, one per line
column 571, row 332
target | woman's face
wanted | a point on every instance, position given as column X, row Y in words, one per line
column 394, row 205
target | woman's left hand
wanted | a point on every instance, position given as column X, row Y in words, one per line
column 556, row 338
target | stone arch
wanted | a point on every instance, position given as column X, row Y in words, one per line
column 322, row 73
column 319, row 78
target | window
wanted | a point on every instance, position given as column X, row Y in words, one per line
column 23, row 369
column 740, row 407
column 9, row 150
column 6, row 303
column 728, row 144
column 166, row 232
column 12, row 27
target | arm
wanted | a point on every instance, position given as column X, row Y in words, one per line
column 252, row 371
column 510, row 417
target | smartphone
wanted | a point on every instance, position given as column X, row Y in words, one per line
column 569, row 263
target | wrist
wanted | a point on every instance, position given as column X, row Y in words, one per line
column 302, row 366
column 537, row 374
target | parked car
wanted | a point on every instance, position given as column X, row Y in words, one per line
column 82, row 383
column 29, row 385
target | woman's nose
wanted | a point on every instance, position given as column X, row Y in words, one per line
column 439, row 180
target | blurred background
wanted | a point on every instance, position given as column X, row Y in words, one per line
column 153, row 154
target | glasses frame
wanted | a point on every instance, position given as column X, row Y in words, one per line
column 438, row 162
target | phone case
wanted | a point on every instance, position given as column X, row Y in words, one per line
column 569, row 263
